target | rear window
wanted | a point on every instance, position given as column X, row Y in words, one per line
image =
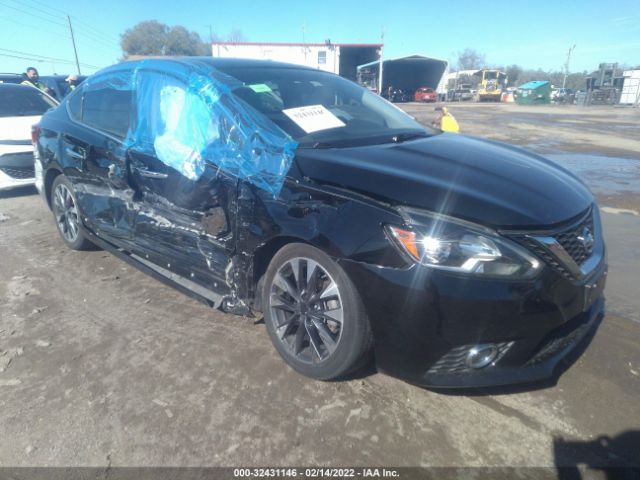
column 22, row 102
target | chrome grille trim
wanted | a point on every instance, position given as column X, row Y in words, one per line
column 566, row 249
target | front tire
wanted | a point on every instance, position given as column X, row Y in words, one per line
column 314, row 314
column 66, row 214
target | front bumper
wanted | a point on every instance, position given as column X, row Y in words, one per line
column 426, row 321
column 16, row 170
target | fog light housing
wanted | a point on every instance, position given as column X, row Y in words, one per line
column 481, row 355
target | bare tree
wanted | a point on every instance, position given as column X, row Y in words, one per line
column 236, row 35
column 513, row 73
column 470, row 59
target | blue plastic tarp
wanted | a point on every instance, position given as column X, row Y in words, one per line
column 185, row 114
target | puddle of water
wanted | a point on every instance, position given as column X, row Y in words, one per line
column 603, row 174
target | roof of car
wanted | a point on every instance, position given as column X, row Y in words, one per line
column 222, row 63
column 61, row 77
column 17, row 86
column 10, row 78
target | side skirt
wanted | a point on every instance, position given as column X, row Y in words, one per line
column 167, row 277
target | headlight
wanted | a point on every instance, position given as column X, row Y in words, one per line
column 449, row 244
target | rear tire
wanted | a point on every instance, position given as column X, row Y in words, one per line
column 314, row 314
column 67, row 216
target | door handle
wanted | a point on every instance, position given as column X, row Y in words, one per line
column 144, row 172
column 73, row 154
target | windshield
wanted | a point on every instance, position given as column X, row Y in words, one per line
column 23, row 101
column 338, row 112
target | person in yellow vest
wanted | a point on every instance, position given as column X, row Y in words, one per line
column 445, row 121
column 72, row 80
column 31, row 78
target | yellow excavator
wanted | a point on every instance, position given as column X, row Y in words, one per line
column 491, row 85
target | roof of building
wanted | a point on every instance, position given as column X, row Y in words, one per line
column 406, row 58
column 285, row 44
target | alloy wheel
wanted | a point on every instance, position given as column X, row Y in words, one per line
column 66, row 213
column 306, row 310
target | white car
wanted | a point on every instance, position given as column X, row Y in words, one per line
column 20, row 108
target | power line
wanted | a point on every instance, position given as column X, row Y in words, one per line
column 111, row 50
column 24, row 58
column 60, row 15
column 95, row 30
column 31, row 14
column 46, row 6
column 94, row 39
column 11, row 20
column 91, row 35
column 20, row 3
column 34, row 56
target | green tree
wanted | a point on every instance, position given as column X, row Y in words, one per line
column 154, row 38
column 180, row 41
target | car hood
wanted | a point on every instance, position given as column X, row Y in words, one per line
column 465, row 177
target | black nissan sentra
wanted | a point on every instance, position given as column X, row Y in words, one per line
column 358, row 233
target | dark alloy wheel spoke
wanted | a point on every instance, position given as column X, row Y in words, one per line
column 287, row 327
column 325, row 334
column 306, row 310
column 314, row 339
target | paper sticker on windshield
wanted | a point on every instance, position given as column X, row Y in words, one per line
column 260, row 88
column 313, row 118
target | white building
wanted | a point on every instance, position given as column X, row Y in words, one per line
column 340, row 58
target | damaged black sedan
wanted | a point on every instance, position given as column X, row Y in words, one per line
column 264, row 187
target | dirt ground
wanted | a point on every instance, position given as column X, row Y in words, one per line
column 101, row 365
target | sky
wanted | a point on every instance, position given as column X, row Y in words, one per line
column 531, row 34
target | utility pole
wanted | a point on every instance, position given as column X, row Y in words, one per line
column 211, row 39
column 566, row 66
column 304, row 45
column 380, row 75
column 73, row 40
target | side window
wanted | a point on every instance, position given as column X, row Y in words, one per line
column 107, row 106
column 174, row 123
column 74, row 104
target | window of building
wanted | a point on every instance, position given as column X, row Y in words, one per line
column 322, row 57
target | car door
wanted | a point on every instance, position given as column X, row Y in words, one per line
column 185, row 205
column 94, row 157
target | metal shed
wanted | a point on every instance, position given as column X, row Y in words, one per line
column 406, row 73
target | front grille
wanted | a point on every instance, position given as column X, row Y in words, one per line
column 569, row 239
column 572, row 245
column 19, row 173
column 543, row 254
